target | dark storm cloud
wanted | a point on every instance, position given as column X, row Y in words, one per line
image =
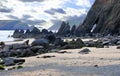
column 4, row 9
column 32, row 0
column 26, row 17
column 52, row 11
column 12, row 17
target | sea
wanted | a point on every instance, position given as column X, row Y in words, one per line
column 5, row 35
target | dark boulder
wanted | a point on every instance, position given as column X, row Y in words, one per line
column 19, row 46
column 36, row 48
column 51, row 38
column 118, row 47
column 85, row 51
column 12, row 61
column 40, row 42
column 79, row 43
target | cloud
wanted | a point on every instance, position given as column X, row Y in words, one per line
column 52, row 11
column 12, row 17
column 83, row 3
column 5, row 10
column 25, row 17
column 73, row 20
column 44, row 13
column 32, row 0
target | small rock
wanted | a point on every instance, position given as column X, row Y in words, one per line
column 41, row 42
column 118, row 47
column 47, row 56
column 96, row 66
column 12, row 61
column 85, row 51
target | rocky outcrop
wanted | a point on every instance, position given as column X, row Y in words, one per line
column 72, row 32
column 34, row 33
column 64, row 29
column 105, row 15
column 18, row 33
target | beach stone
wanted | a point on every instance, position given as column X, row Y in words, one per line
column 6, row 48
column 118, row 47
column 2, row 44
column 79, row 43
column 27, row 53
column 36, row 48
column 105, row 42
column 26, row 42
column 40, row 42
column 51, row 38
column 90, row 43
column 4, row 54
column 12, row 61
column 85, row 51
column 20, row 46
column 118, row 43
column 58, row 41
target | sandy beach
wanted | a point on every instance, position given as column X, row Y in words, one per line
column 99, row 62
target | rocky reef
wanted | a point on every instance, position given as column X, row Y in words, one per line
column 104, row 16
column 34, row 33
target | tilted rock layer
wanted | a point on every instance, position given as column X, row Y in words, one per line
column 105, row 14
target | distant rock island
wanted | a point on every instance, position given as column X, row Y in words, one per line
column 13, row 24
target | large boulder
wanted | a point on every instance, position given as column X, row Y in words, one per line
column 74, row 44
column 118, row 47
column 40, row 42
column 19, row 46
column 51, row 38
column 58, row 42
column 12, row 61
column 36, row 48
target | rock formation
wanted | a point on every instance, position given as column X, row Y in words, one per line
column 18, row 33
column 64, row 29
column 72, row 32
column 105, row 14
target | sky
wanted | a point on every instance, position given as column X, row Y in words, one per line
column 45, row 13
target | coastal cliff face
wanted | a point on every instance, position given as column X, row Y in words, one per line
column 105, row 14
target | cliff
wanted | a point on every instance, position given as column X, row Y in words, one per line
column 105, row 14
